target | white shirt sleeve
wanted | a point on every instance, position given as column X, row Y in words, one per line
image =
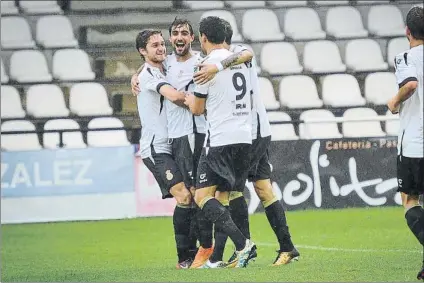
column 405, row 69
column 155, row 80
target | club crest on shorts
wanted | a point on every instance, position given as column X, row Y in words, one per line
column 169, row 175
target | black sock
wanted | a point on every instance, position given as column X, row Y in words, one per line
column 181, row 221
column 240, row 215
column 193, row 235
column 220, row 241
column 205, row 228
column 216, row 212
column 415, row 220
column 277, row 220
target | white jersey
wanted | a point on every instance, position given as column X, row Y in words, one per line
column 409, row 67
column 260, row 122
column 182, row 122
column 228, row 103
column 152, row 112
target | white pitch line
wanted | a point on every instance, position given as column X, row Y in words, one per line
column 343, row 249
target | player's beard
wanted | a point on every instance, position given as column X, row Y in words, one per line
column 184, row 51
column 158, row 59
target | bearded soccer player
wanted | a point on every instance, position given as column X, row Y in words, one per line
column 186, row 132
column 260, row 170
column 409, row 104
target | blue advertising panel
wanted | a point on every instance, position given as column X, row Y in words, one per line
column 67, row 172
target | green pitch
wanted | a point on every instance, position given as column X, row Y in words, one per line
column 335, row 245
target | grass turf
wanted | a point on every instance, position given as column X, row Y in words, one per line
column 371, row 244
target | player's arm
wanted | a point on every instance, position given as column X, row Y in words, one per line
column 406, row 76
column 196, row 102
column 135, row 88
column 176, row 97
column 403, row 94
column 208, row 71
column 156, row 81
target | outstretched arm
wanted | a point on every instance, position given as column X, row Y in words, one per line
column 208, row 71
column 135, row 89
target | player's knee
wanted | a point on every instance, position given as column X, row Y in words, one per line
column 263, row 189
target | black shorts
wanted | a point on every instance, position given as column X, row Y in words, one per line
column 222, row 165
column 186, row 152
column 410, row 174
column 165, row 171
column 259, row 166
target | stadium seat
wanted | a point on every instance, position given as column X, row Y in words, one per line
column 288, row 3
column 19, row 142
column 69, row 139
column 16, row 33
column 72, row 65
column 245, row 4
column 106, row 138
column 29, row 66
column 367, row 2
column 297, row 28
column 269, row 29
column 200, row 5
column 341, row 90
column 4, row 76
column 46, row 100
column 396, row 46
column 228, row 16
column 55, row 31
column 8, row 8
column 281, row 131
column 322, row 56
column 89, row 99
column 331, row 2
column 385, row 20
column 280, row 58
column 268, row 95
column 364, row 55
column 392, row 126
column 299, row 92
column 359, row 129
column 40, row 7
column 345, row 22
column 323, row 130
column 11, row 105
column 380, row 87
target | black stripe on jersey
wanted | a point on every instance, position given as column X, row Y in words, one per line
column 200, row 95
column 161, row 84
column 407, row 80
column 150, row 71
column 405, row 56
column 188, row 85
column 194, row 125
column 162, row 98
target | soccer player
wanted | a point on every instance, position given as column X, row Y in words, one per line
column 183, row 126
column 225, row 157
column 408, row 102
column 154, row 147
column 260, row 170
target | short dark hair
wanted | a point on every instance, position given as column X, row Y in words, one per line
column 415, row 22
column 181, row 22
column 213, row 28
column 143, row 37
column 228, row 32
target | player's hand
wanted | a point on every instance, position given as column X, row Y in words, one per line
column 189, row 99
column 394, row 105
column 206, row 73
column 135, row 89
